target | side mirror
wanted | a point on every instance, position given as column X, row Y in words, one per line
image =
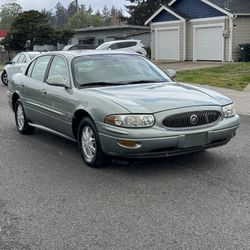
column 8, row 62
column 171, row 72
column 58, row 81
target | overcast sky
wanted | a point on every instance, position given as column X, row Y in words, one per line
column 50, row 4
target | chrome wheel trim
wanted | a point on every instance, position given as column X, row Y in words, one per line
column 5, row 78
column 88, row 143
column 20, row 117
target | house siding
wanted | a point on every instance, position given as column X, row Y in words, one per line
column 164, row 16
column 241, row 35
column 196, row 9
column 154, row 28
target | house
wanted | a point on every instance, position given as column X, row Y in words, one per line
column 3, row 34
column 200, row 30
column 95, row 36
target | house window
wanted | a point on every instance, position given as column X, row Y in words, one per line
column 100, row 41
column 87, row 41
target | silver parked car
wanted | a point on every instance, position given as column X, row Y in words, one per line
column 124, row 45
column 118, row 104
column 17, row 65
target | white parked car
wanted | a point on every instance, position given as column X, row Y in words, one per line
column 124, row 45
column 17, row 65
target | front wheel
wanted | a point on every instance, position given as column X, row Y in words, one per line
column 90, row 145
column 21, row 122
column 4, row 78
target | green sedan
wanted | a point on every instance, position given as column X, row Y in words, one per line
column 118, row 104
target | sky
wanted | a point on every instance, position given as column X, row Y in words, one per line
column 50, row 4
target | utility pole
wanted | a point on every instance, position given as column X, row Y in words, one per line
column 77, row 6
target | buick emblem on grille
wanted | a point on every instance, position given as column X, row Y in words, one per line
column 193, row 119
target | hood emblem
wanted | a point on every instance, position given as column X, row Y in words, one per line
column 194, row 119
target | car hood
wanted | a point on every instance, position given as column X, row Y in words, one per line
column 157, row 97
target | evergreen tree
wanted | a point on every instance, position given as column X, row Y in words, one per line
column 141, row 10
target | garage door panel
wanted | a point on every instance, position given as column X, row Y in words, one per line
column 168, row 44
column 209, row 43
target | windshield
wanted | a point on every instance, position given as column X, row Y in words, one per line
column 115, row 68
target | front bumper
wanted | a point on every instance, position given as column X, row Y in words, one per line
column 161, row 142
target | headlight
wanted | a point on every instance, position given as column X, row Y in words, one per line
column 131, row 121
column 229, row 110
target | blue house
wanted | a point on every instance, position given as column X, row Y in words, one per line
column 196, row 30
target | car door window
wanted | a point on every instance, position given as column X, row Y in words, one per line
column 59, row 68
column 114, row 46
column 15, row 58
column 21, row 58
column 127, row 44
column 40, row 68
column 31, row 66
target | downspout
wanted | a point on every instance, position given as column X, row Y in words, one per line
column 231, row 31
column 185, row 40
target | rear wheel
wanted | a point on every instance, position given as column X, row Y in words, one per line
column 21, row 122
column 4, row 78
column 90, row 145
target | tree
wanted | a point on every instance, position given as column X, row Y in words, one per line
column 141, row 10
column 61, row 15
column 50, row 17
column 29, row 28
column 83, row 20
column 8, row 12
column 106, row 16
column 72, row 9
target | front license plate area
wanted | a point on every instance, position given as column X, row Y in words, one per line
column 195, row 140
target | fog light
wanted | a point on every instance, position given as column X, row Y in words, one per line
column 129, row 144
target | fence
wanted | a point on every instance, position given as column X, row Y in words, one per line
column 5, row 56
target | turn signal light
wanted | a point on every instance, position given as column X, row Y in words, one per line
column 129, row 144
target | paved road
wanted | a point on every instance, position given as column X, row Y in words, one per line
column 50, row 200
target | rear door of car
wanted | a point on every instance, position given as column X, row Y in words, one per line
column 34, row 90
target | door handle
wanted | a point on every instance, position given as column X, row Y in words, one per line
column 44, row 91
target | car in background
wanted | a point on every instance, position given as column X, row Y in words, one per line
column 79, row 47
column 118, row 104
column 124, row 45
column 17, row 65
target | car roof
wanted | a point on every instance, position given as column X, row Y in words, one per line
column 122, row 41
column 76, row 53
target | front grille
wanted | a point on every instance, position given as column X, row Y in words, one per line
column 191, row 119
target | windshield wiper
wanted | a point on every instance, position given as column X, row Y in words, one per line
column 144, row 81
column 95, row 84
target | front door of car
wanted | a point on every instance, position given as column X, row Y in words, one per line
column 60, row 100
column 34, row 90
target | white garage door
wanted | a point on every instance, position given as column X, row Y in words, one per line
column 208, row 44
column 167, row 44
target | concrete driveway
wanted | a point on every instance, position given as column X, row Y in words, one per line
column 182, row 66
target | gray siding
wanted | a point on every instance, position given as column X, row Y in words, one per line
column 154, row 27
column 241, row 35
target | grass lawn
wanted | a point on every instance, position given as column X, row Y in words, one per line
column 233, row 76
column 1, row 67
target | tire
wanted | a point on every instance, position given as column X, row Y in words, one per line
column 21, row 122
column 90, row 145
column 4, row 78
